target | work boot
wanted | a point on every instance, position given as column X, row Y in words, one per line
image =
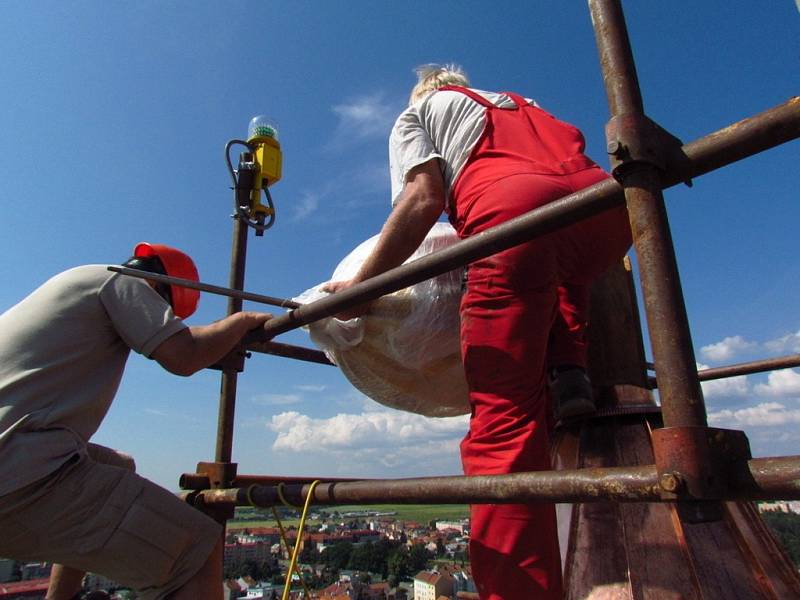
column 571, row 391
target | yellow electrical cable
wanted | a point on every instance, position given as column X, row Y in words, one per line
column 282, row 498
column 293, row 563
column 248, row 495
column 288, row 549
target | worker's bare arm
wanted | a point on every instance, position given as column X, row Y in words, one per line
column 422, row 202
column 198, row 347
column 409, row 222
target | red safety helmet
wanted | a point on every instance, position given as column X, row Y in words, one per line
column 176, row 264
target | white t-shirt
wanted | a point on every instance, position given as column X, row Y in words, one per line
column 62, row 354
column 446, row 125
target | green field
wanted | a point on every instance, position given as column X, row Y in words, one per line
column 420, row 513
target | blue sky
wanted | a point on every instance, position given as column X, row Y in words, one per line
column 115, row 115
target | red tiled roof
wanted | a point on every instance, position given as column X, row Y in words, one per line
column 427, row 577
column 255, row 530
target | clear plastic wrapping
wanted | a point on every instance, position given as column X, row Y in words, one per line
column 405, row 352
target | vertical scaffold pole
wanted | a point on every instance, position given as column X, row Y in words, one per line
column 680, row 393
column 227, row 400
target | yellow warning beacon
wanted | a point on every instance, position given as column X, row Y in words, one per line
column 262, row 137
column 259, row 168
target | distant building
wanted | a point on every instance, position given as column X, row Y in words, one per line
column 780, row 506
column 7, row 569
column 236, row 554
column 429, row 585
column 341, row 590
column 459, row 526
column 35, row 570
column 376, row 591
column 463, row 582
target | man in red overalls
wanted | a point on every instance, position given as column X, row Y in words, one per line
column 485, row 158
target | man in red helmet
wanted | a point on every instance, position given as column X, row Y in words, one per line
column 64, row 500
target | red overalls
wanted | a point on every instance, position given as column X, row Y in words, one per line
column 524, row 309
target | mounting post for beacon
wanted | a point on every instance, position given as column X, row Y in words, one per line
column 222, row 471
column 259, row 166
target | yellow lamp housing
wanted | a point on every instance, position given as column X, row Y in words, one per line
column 268, row 157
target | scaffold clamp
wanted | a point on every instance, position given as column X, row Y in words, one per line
column 634, row 139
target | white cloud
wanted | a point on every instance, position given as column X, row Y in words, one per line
column 726, row 349
column 366, row 117
column 788, row 344
column 306, row 205
column 732, row 387
column 378, row 430
column 373, row 443
column 276, row 399
column 766, row 414
column 311, row 388
column 785, row 382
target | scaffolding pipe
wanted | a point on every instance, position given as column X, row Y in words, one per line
column 726, row 146
column 682, row 402
column 206, row 287
column 290, row 351
column 228, row 384
column 748, row 368
column 764, row 478
column 198, row 481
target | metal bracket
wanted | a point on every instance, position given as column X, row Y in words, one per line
column 233, row 361
column 635, row 139
column 696, row 463
column 220, row 474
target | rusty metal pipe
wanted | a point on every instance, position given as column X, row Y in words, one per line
column 290, row 351
column 207, row 287
column 616, row 57
column 668, row 324
column 228, row 385
column 618, row 484
column 199, row 481
column 748, row 368
column 765, row 478
column 746, row 138
column 741, row 140
column 682, row 402
column 774, row 478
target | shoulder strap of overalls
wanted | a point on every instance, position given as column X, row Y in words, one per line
column 468, row 92
column 518, row 100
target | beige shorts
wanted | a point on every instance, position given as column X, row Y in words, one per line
column 93, row 516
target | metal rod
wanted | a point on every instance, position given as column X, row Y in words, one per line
column 764, row 478
column 682, row 402
column 616, row 58
column 199, row 481
column 740, row 140
column 290, row 351
column 228, row 384
column 757, row 366
column 207, row 287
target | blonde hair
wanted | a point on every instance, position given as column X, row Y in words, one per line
column 432, row 76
